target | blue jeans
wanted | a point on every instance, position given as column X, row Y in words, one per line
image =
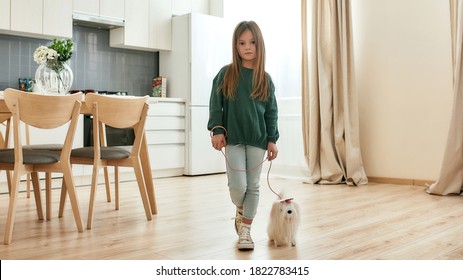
column 244, row 185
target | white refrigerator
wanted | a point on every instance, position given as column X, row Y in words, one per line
column 201, row 45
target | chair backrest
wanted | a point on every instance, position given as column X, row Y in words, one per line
column 42, row 111
column 5, row 116
column 117, row 111
column 4, row 112
column 45, row 112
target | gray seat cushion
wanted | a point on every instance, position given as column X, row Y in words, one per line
column 31, row 156
column 115, row 152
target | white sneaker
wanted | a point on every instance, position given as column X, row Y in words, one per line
column 245, row 241
column 238, row 219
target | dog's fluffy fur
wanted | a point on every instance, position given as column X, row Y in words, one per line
column 284, row 222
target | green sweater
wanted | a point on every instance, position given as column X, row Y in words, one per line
column 248, row 121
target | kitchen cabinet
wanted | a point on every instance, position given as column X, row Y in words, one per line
column 90, row 7
column 181, row 7
column 57, row 18
column 165, row 135
column 112, row 8
column 26, row 20
column 160, row 24
column 147, row 26
column 5, row 15
column 103, row 8
column 39, row 19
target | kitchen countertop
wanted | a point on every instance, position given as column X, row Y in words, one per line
column 152, row 99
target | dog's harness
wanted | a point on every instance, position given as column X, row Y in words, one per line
column 286, row 200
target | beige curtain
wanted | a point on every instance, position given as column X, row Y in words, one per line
column 329, row 100
column 451, row 174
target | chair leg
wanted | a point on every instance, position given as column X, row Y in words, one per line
column 70, row 187
column 11, row 209
column 62, row 199
column 8, row 180
column 146, row 166
column 28, row 185
column 37, row 194
column 92, row 196
column 48, row 195
column 108, row 187
column 142, row 187
column 116, row 185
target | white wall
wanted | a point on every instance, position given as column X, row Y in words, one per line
column 404, row 81
column 290, row 161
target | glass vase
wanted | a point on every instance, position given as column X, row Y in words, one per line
column 51, row 82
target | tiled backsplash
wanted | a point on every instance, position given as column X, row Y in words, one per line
column 95, row 65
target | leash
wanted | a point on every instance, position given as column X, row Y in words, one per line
column 250, row 169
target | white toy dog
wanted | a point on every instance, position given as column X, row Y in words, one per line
column 284, row 222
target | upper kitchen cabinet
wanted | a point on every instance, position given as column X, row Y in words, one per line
column 102, row 8
column 26, row 20
column 147, row 26
column 181, row 7
column 40, row 19
column 5, row 15
column 112, row 8
column 160, row 24
column 57, row 18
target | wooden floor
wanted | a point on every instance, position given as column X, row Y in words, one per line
column 194, row 222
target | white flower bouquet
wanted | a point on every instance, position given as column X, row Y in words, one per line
column 55, row 55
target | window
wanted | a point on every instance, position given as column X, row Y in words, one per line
column 280, row 23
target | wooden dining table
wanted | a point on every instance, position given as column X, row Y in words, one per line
column 144, row 155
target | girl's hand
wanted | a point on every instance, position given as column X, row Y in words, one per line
column 218, row 141
column 272, row 151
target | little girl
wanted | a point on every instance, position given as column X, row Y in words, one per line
column 243, row 117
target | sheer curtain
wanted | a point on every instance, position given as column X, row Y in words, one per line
column 451, row 175
column 329, row 100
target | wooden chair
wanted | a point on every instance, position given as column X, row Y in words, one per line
column 48, row 175
column 117, row 112
column 5, row 118
column 44, row 112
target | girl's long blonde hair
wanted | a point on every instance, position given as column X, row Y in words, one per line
column 260, row 79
